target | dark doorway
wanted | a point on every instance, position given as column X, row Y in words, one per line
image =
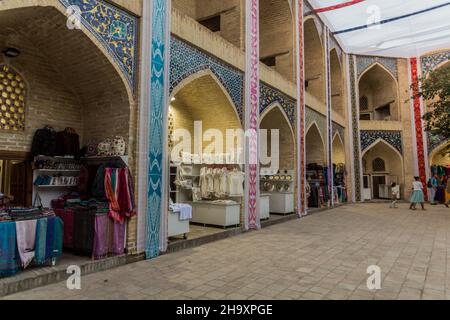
column 16, row 178
column 377, row 181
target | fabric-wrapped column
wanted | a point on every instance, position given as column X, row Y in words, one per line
column 251, row 218
column 418, row 129
column 156, row 224
column 301, row 112
column 330, row 179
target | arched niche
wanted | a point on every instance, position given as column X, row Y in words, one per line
column 315, row 146
column 72, row 81
column 203, row 99
column 277, row 36
column 381, row 154
column 274, row 118
column 338, row 150
column 314, row 61
column 337, row 94
column 439, row 157
column 378, row 87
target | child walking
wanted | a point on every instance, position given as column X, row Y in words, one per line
column 395, row 195
column 417, row 195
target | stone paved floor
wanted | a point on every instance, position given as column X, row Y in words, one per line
column 324, row 256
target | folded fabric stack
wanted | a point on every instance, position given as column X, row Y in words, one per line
column 18, row 214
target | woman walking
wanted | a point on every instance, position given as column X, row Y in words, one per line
column 417, row 195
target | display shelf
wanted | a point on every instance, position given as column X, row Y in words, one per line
column 57, row 186
column 124, row 159
column 58, row 171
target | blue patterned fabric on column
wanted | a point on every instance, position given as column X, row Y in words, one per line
column 157, row 120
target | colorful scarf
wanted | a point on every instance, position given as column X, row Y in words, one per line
column 49, row 240
column 9, row 261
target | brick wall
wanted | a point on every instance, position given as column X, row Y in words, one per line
column 48, row 102
column 229, row 10
column 276, row 120
column 204, row 100
column 277, row 35
column 70, row 82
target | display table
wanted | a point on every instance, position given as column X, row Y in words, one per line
column 216, row 214
column 264, row 206
column 48, row 244
column 176, row 226
column 282, row 202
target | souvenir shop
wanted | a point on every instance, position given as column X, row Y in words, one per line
column 317, row 173
column 277, row 183
column 206, row 188
column 442, row 172
column 66, row 192
column 82, row 199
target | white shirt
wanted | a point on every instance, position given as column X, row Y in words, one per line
column 396, row 191
column 417, row 186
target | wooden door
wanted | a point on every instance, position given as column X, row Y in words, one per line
column 377, row 181
column 18, row 184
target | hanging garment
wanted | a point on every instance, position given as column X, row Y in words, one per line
column 98, row 185
column 68, row 143
column 84, row 226
column 44, row 142
column 26, row 237
column 210, row 180
column 117, row 189
column 223, row 183
column 101, row 239
column 49, row 240
column 118, row 246
column 9, row 261
column 216, row 181
column 204, row 183
column 235, row 183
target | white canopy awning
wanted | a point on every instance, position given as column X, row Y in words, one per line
column 392, row 28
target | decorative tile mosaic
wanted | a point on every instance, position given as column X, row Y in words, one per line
column 429, row 63
column 269, row 96
column 393, row 138
column 115, row 29
column 337, row 128
column 320, row 119
column 186, row 60
column 365, row 62
column 12, row 100
column 435, row 142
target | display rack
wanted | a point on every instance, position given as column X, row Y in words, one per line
column 49, row 192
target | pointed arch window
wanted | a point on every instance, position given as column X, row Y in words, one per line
column 12, row 100
column 378, row 165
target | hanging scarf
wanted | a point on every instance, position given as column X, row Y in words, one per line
column 8, row 259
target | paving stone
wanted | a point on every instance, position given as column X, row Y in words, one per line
column 323, row 256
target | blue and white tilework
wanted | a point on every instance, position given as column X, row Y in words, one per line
column 187, row 60
column 269, row 96
column 429, row 63
column 115, row 29
column 364, row 62
column 393, row 138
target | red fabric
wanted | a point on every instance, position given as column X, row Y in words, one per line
column 338, row 6
column 418, row 125
column 66, row 216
